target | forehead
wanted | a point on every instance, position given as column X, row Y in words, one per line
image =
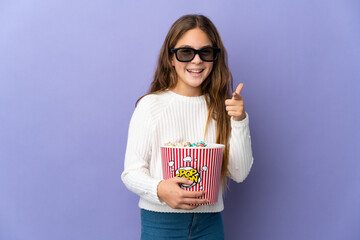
column 195, row 38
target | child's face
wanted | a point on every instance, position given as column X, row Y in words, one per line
column 190, row 75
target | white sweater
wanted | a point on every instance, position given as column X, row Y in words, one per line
column 160, row 118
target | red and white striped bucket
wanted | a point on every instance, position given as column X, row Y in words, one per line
column 202, row 165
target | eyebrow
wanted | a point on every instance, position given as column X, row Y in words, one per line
column 188, row 46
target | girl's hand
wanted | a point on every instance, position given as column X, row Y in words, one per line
column 170, row 192
column 235, row 106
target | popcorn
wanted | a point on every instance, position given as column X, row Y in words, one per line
column 198, row 162
column 186, row 144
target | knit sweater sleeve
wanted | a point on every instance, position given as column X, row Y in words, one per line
column 240, row 156
column 136, row 174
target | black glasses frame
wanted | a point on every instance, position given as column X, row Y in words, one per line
column 199, row 51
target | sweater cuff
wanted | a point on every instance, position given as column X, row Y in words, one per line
column 153, row 194
column 237, row 124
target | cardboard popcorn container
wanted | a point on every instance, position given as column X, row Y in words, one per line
column 201, row 165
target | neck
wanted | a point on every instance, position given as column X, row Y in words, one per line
column 193, row 92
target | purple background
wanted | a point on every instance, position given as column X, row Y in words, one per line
column 71, row 71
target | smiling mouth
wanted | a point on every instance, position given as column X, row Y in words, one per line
column 195, row 71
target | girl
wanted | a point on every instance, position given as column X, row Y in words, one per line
column 190, row 95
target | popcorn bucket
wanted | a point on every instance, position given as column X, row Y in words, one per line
column 201, row 165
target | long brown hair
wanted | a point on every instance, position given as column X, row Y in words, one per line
column 218, row 85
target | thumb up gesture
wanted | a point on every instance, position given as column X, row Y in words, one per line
column 235, row 106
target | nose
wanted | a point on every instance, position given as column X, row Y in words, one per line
column 196, row 59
